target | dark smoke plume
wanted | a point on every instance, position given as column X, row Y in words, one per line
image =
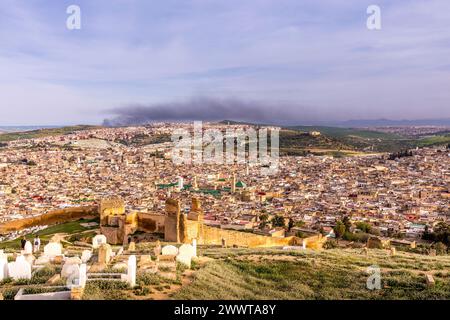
column 205, row 109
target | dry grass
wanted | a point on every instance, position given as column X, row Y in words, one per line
column 331, row 274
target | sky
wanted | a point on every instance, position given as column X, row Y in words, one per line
column 308, row 59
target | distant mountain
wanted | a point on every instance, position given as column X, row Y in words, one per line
column 363, row 123
column 389, row 123
column 25, row 128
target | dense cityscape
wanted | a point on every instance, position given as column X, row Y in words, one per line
column 399, row 198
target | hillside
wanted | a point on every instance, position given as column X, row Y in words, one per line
column 40, row 133
column 258, row 273
column 328, row 274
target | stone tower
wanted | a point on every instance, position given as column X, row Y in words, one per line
column 233, row 184
column 172, row 221
column 111, row 206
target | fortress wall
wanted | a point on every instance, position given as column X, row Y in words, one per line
column 50, row 218
column 214, row 236
column 148, row 222
column 315, row 242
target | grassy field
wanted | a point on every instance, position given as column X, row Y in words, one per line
column 434, row 140
column 346, row 132
column 70, row 228
column 328, row 274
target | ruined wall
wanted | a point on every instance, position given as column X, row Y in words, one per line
column 314, row 242
column 50, row 218
column 112, row 234
column 193, row 230
column 112, row 206
column 214, row 236
column 149, row 222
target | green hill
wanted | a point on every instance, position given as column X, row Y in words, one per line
column 328, row 274
column 12, row 136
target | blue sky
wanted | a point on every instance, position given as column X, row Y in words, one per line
column 317, row 57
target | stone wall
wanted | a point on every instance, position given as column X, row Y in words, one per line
column 150, row 222
column 50, row 218
column 213, row 236
column 111, row 206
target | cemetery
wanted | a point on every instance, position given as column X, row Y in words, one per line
column 96, row 270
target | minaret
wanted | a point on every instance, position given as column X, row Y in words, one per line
column 233, row 184
column 180, row 183
column 195, row 184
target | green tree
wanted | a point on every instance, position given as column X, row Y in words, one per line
column 278, row 221
column 290, row 224
column 339, row 229
column 299, row 234
column 347, row 223
column 364, row 227
column 299, row 223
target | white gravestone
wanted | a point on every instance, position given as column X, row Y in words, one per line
column 20, row 269
column 98, row 240
column 185, row 259
column 53, row 249
column 194, row 244
column 86, row 255
column 83, row 277
column 3, row 267
column 187, row 250
column 69, row 269
column 73, row 275
column 131, row 272
column 169, row 250
column 28, row 249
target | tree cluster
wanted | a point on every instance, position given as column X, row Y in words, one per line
column 400, row 154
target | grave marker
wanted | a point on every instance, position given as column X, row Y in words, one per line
column 169, row 250
column 20, row 269
column 98, row 240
